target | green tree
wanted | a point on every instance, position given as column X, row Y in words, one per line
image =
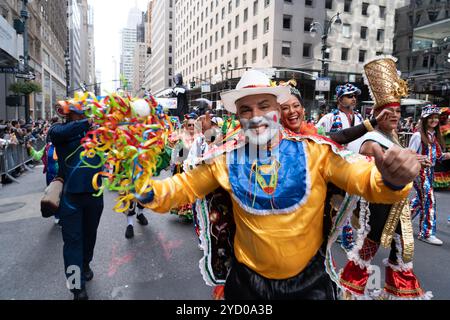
column 25, row 87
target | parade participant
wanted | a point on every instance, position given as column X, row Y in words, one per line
column 380, row 223
column 428, row 142
column 277, row 186
column 183, row 144
column 343, row 117
column 292, row 118
column 140, row 217
column 79, row 210
column 442, row 169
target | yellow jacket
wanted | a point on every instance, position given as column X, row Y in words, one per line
column 280, row 245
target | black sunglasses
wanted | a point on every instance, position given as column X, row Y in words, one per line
column 351, row 96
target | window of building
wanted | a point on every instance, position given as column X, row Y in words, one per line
column 236, row 62
column 244, row 37
column 236, row 22
column 237, row 3
column 245, row 14
column 307, row 50
column 266, row 3
column 255, row 7
column 307, row 24
column 382, row 12
column 229, row 26
column 309, row 3
column 380, row 35
column 287, row 22
column 362, row 55
column 347, row 5
column 228, row 46
column 329, row 4
column 254, row 55
column 266, row 25
column 244, row 59
column 347, row 30
column 255, row 31
column 286, row 48
column 344, row 54
column 265, row 51
column 363, row 33
column 236, row 42
column 222, row 49
column 365, row 6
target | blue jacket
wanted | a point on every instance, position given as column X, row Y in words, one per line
column 66, row 138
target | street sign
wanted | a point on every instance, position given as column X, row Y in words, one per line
column 9, row 69
column 26, row 76
column 206, row 88
column 323, row 84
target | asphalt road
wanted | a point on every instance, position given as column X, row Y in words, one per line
column 159, row 263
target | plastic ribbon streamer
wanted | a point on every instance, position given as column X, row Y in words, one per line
column 129, row 137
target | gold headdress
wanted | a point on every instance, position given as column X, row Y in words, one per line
column 385, row 85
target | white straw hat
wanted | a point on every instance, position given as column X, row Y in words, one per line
column 253, row 82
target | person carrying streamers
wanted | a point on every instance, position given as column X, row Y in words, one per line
column 277, row 186
column 79, row 210
column 442, row 169
column 428, row 143
column 130, row 140
column 381, row 223
column 343, row 117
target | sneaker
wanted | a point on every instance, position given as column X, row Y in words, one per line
column 431, row 240
column 142, row 219
column 80, row 294
column 129, row 233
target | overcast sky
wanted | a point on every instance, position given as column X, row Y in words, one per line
column 110, row 17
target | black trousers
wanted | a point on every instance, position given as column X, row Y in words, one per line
column 79, row 217
column 313, row 283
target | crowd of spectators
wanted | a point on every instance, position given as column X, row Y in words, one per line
column 19, row 133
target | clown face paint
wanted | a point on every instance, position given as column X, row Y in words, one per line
column 260, row 130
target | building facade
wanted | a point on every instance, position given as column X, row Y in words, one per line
column 148, row 44
column 217, row 40
column 162, row 45
column 10, row 10
column 422, row 45
column 139, row 59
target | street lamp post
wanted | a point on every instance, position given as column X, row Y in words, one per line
column 24, row 15
column 326, row 28
column 67, row 64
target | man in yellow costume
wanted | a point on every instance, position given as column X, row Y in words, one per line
column 278, row 188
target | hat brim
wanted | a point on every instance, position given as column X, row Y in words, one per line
column 229, row 98
column 357, row 91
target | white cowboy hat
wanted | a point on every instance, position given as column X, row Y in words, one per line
column 253, row 82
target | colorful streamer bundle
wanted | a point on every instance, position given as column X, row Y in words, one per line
column 130, row 136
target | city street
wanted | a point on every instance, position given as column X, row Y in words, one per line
column 160, row 262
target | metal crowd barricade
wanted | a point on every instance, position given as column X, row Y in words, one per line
column 13, row 156
column 404, row 138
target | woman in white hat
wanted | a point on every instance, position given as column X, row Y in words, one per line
column 428, row 143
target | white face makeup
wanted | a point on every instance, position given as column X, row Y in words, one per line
column 260, row 130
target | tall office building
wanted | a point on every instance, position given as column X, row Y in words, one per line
column 128, row 43
column 214, row 38
column 162, row 42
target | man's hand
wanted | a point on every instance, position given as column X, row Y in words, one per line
column 397, row 166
